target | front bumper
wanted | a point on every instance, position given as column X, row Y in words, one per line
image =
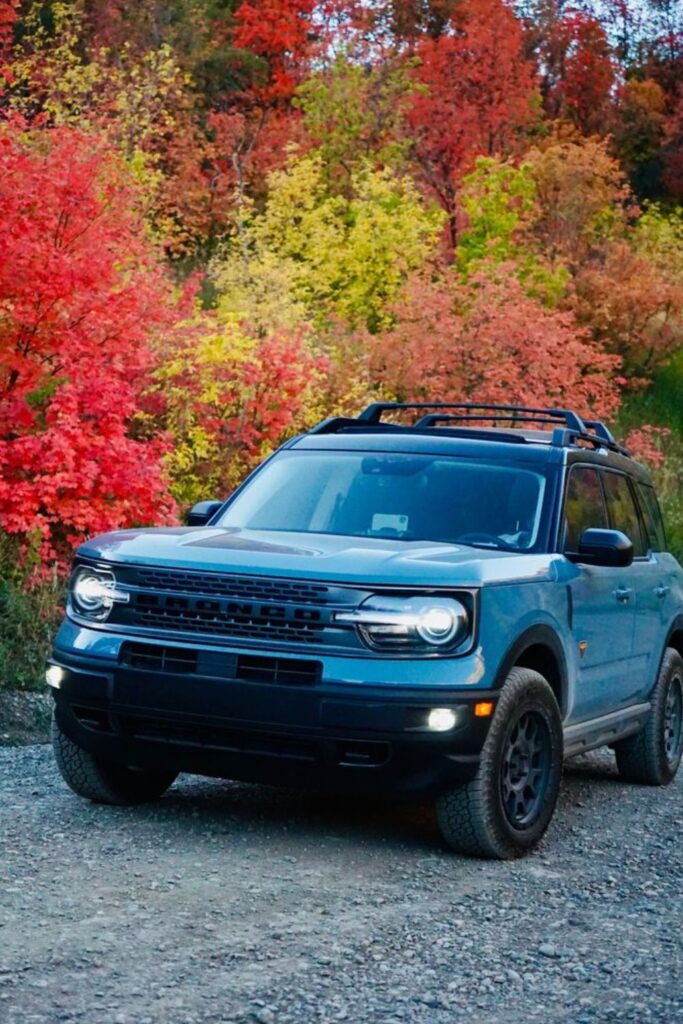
column 330, row 734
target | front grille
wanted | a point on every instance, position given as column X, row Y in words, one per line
column 154, row 658
column 250, row 668
column 221, row 622
column 285, row 671
column 243, row 608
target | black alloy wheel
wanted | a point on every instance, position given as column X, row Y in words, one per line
column 525, row 769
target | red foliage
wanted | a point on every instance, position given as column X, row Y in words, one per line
column 491, row 343
column 631, row 308
column 584, row 91
column 246, row 146
column 282, row 33
column 8, row 17
column 479, row 93
column 647, row 444
column 80, row 294
column 245, row 405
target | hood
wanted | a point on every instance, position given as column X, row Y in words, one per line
column 379, row 561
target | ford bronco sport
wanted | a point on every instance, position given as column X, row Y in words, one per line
column 448, row 606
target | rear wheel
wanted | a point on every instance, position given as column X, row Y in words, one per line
column 508, row 806
column 105, row 782
column 653, row 755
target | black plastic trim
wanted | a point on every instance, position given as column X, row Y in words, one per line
column 542, row 635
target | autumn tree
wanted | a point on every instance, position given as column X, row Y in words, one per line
column 355, row 112
column 314, row 255
column 140, row 99
column 501, row 214
column 81, row 294
column 583, row 197
column 8, row 18
column 639, row 133
column 632, row 297
column 489, row 341
column 228, row 398
column 576, row 64
column 281, row 33
column 477, row 95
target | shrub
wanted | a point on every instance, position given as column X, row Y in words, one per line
column 29, row 614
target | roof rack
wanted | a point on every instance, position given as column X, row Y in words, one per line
column 569, row 429
column 373, row 413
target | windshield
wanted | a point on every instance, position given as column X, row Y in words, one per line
column 398, row 496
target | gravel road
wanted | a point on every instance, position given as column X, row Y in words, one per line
column 233, row 903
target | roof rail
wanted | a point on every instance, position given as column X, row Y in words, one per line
column 468, row 411
column 570, row 430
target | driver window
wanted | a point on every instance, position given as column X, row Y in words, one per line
column 584, row 506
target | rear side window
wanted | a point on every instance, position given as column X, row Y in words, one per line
column 653, row 517
column 584, row 507
column 622, row 510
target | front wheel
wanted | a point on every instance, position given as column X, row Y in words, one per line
column 653, row 755
column 504, row 811
column 105, row 782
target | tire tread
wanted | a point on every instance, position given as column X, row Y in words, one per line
column 95, row 780
column 466, row 813
column 640, row 758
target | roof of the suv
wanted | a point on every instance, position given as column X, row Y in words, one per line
column 464, row 429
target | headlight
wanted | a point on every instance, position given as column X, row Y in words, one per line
column 94, row 592
column 424, row 624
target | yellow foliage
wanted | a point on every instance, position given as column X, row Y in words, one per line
column 316, row 256
column 138, row 100
column 230, row 398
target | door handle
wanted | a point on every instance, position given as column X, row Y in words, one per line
column 623, row 594
column 662, row 590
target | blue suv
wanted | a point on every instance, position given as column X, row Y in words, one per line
column 450, row 605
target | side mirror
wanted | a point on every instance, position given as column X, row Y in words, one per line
column 202, row 512
column 604, row 547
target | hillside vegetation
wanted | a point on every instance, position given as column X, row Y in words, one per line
column 222, row 220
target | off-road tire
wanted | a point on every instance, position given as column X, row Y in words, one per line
column 472, row 817
column 105, row 782
column 642, row 758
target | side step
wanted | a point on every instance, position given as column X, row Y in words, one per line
column 607, row 729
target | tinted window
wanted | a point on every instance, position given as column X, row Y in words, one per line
column 584, row 507
column 622, row 510
column 397, row 496
column 652, row 515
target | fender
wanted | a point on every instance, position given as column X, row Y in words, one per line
column 539, row 634
column 676, row 627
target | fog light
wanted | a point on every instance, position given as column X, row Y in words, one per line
column 54, row 676
column 441, row 719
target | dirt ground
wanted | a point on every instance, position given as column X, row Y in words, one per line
column 234, row 903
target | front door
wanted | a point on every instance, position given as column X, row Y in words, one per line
column 603, row 607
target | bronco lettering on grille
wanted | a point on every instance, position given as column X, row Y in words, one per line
column 231, row 609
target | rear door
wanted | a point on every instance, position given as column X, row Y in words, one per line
column 640, row 579
column 602, row 602
column 656, row 607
